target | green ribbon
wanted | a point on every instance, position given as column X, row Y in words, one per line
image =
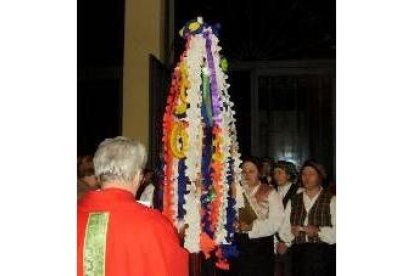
column 95, row 244
column 207, row 97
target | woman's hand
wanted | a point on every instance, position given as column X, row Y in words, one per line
column 296, row 230
column 281, row 248
column 244, row 227
column 311, row 231
column 181, row 234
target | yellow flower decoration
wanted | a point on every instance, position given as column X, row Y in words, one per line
column 184, row 85
column 194, row 26
column 179, row 140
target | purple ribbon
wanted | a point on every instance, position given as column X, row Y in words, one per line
column 213, row 79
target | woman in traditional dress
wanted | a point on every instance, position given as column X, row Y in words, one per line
column 259, row 220
column 284, row 180
column 309, row 225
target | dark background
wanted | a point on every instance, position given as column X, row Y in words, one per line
column 266, row 29
column 100, row 59
column 251, row 31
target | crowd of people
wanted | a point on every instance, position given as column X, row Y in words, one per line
column 293, row 231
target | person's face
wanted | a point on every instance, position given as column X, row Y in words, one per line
column 310, row 178
column 250, row 173
column 148, row 176
column 91, row 180
column 280, row 176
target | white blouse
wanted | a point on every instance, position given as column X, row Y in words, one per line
column 270, row 218
column 147, row 195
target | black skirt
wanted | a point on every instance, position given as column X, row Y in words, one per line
column 313, row 259
column 256, row 256
column 283, row 264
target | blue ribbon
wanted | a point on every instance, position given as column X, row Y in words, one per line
column 182, row 187
column 229, row 251
column 231, row 210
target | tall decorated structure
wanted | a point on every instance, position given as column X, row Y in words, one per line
column 200, row 148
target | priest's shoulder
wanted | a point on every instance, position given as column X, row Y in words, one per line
column 152, row 217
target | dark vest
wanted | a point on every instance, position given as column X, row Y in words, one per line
column 319, row 214
column 292, row 191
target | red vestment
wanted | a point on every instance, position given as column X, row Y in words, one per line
column 126, row 238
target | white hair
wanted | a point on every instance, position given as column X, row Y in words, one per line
column 119, row 159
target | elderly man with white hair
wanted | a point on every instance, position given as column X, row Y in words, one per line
column 117, row 235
